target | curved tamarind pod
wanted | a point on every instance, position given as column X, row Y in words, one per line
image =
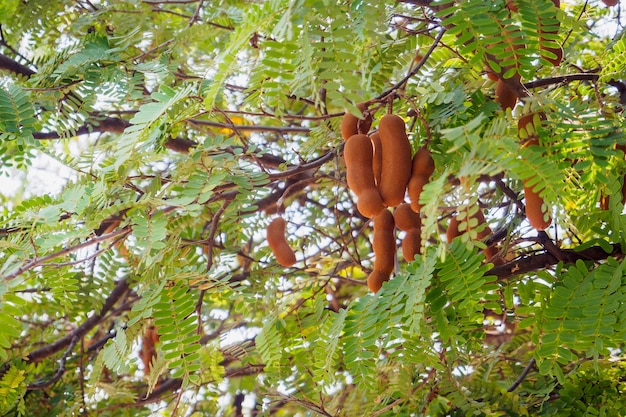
column 490, row 74
column 510, row 4
column 148, row 349
column 352, row 125
column 504, row 96
column 384, row 242
column 537, row 217
column 556, row 51
column 278, row 243
column 527, row 128
column 405, row 218
column 422, row 167
column 396, row 159
column 415, row 187
column 423, row 163
column 377, row 161
column 412, row 244
column 369, row 203
column 610, row 3
column 453, row 229
column 483, row 231
column 376, row 279
column 358, row 154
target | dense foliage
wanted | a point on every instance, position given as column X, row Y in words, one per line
column 178, row 129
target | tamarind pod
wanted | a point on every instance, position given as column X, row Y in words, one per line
column 556, row 51
column 422, row 167
column 414, row 189
column 510, row 4
column 491, row 252
column 369, row 203
column 610, row 3
column 352, row 125
column 605, row 201
column 376, row 279
column 396, row 159
column 490, row 74
column 405, row 218
column 482, row 229
column 148, row 350
column 535, row 213
column 453, row 229
column 377, row 161
column 384, row 243
column 423, row 163
column 504, row 96
column 358, row 154
column 278, row 243
column 411, row 244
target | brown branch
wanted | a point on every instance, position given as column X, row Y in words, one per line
column 59, row 373
column 83, row 329
column 39, row 261
column 563, row 79
column 522, row 376
column 415, row 70
column 15, row 67
column 544, row 260
column 251, row 128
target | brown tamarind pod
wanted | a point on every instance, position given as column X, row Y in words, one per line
column 369, row 203
column 423, row 163
column 384, row 242
column 376, row 279
column 453, row 229
column 422, row 167
column 352, row 125
column 396, row 159
column 412, row 244
column 504, row 96
column 482, row 230
column 490, row 74
column 535, row 213
column 510, row 4
column 377, row 160
column 358, row 154
column 148, row 348
column 278, row 243
column 605, row 201
column 610, row 3
column 405, row 218
column 415, row 187
column 527, row 128
column 558, row 52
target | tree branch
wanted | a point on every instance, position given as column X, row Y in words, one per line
column 83, row 329
column 563, row 79
column 15, row 67
column 59, row 373
column 544, row 260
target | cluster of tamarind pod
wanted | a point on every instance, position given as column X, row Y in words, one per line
column 380, row 171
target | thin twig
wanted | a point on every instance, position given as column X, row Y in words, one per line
column 39, row 261
column 522, row 376
column 59, row 373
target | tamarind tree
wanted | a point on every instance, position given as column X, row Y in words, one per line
column 136, row 277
